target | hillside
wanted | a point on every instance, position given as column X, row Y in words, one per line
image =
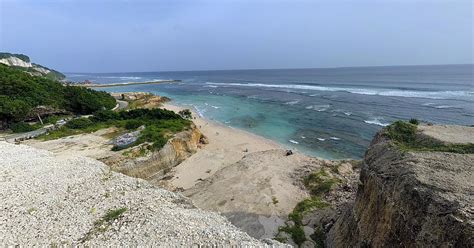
column 23, row 96
column 22, row 62
column 69, row 200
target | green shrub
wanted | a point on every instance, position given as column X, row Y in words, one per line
column 159, row 142
column 414, row 121
column 133, row 124
column 105, row 115
column 185, row 113
column 21, row 127
column 79, row 123
column 402, row 132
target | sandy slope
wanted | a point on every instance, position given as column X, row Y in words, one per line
column 226, row 146
column 256, row 189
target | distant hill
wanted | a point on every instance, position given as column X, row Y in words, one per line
column 22, row 62
column 22, row 93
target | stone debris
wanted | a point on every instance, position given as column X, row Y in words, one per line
column 125, row 139
column 66, row 200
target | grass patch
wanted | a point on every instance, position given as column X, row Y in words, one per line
column 305, row 206
column 403, row 134
column 103, row 223
column 296, row 231
column 319, row 183
column 111, row 215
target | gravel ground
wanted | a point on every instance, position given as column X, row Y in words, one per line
column 64, row 200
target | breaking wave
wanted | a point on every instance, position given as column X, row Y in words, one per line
column 376, row 121
column 293, row 141
column 319, row 108
column 379, row 92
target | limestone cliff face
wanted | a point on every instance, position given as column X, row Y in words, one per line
column 177, row 149
column 14, row 61
column 408, row 199
column 23, row 62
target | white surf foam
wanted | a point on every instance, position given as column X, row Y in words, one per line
column 380, row 92
column 319, row 108
column 293, row 141
column 292, row 102
column 376, row 121
column 121, row 78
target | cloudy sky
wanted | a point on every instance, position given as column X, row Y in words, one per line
column 146, row 35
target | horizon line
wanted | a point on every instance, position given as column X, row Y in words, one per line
column 269, row 69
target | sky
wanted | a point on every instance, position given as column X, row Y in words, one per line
column 146, row 35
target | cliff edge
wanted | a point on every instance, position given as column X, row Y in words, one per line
column 416, row 190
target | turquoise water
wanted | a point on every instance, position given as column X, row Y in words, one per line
column 330, row 113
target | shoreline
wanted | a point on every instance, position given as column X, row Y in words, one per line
column 227, row 145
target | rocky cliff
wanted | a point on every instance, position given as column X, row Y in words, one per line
column 408, row 197
column 23, row 62
column 154, row 166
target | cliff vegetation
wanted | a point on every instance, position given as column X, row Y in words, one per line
column 21, row 93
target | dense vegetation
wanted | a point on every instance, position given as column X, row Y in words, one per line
column 404, row 134
column 53, row 74
column 21, row 92
column 160, row 125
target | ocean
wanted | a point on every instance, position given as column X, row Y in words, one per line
column 331, row 113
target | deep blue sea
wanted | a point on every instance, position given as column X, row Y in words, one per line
column 329, row 113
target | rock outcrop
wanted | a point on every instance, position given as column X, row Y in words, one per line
column 23, row 62
column 412, row 199
column 49, row 200
column 154, row 166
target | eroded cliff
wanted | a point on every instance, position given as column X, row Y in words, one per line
column 154, row 166
column 412, row 197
